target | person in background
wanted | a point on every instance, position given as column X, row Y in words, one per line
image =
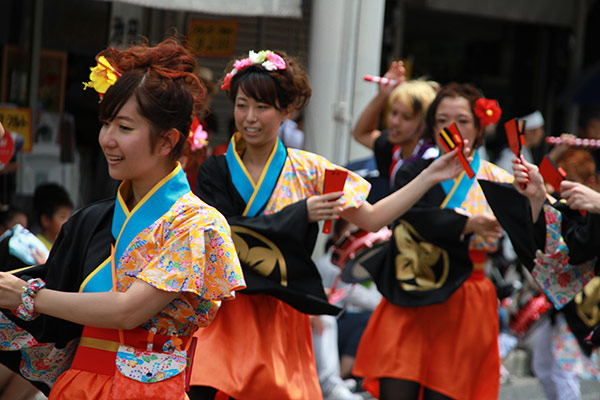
column 11, row 215
column 401, row 141
column 579, row 166
column 12, row 385
column 557, row 354
column 52, row 207
column 273, row 197
column 589, row 128
column 534, row 134
column 333, row 337
column 290, row 131
column 435, row 333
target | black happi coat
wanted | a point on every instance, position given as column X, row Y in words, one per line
column 581, row 235
column 293, row 277
column 82, row 245
column 434, row 235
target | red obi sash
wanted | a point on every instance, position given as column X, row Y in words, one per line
column 98, row 347
column 478, row 258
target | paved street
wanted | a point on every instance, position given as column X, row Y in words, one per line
column 528, row 388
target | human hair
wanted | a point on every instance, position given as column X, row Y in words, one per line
column 453, row 90
column 579, row 165
column 8, row 214
column 417, row 94
column 48, row 198
column 279, row 88
column 163, row 81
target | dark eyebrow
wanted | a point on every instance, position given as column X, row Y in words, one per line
column 124, row 118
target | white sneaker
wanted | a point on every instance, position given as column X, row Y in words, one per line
column 351, row 384
column 341, row 392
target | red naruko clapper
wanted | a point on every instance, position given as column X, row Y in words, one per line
column 554, row 175
column 516, row 139
column 450, row 138
column 335, row 179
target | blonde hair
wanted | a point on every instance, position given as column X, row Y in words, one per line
column 417, row 94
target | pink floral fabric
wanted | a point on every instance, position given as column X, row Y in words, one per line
column 303, row 175
column 568, row 354
column 560, row 280
column 189, row 250
column 41, row 362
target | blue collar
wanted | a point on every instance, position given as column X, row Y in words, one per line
column 126, row 225
column 256, row 195
column 457, row 189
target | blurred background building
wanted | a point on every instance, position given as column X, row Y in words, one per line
column 538, row 54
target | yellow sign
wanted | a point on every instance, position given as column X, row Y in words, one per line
column 208, row 38
column 18, row 120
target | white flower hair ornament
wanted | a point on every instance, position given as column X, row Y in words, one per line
column 268, row 59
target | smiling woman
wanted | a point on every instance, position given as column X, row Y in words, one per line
column 130, row 279
column 402, row 139
column 439, row 310
column 273, row 196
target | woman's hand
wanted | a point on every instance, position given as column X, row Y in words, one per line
column 396, row 72
column 559, row 149
column 529, row 176
column 325, row 206
column 580, row 197
column 11, row 289
column 38, row 256
column 447, row 166
column 484, row 224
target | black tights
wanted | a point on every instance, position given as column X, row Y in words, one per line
column 399, row 389
column 203, row 393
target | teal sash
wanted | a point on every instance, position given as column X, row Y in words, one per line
column 126, row 225
column 257, row 195
column 457, row 189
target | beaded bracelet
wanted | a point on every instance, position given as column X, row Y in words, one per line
column 26, row 310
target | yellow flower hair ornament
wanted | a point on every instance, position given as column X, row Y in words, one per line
column 102, row 77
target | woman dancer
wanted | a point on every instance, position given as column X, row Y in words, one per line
column 129, row 280
column 402, row 139
column 435, row 333
column 271, row 197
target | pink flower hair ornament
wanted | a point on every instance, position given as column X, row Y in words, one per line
column 198, row 137
column 488, row 111
column 102, row 77
column 268, row 59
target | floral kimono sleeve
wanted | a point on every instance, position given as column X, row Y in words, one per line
column 559, row 279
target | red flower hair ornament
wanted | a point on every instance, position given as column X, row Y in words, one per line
column 488, row 111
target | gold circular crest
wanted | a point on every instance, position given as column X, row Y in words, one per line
column 420, row 265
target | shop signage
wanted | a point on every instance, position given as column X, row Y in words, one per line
column 18, row 120
column 208, row 38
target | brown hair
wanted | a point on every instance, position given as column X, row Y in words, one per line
column 452, row 90
column 579, row 165
column 278, row 88
column 164, row 83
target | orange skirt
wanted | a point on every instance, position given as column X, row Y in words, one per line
column 451, row 348
column 257, row 347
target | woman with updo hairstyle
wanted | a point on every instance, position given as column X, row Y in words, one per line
column 401, row 140
column 260, row 345
column 112, row 312
column 435, row 332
